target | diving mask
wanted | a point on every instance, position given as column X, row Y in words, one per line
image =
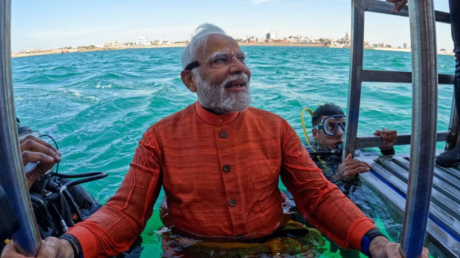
column 332, row 124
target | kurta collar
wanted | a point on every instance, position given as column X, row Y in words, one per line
column 213, row 119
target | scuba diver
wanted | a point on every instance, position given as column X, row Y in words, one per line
column 57, row 201
column 328, row 123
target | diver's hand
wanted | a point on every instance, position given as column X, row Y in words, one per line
column 381, row 247
column 388, row 138
column 51, row 247
column 350, row 167
column 399, row 4
column 40, row 152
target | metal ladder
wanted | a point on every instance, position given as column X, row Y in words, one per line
column 424, row 79
column 358, row 75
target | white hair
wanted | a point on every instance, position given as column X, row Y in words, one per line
column 202, row 34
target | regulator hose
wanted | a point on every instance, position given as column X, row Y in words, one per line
column 303, row 123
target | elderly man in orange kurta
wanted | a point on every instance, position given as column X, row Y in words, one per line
column 220, row 158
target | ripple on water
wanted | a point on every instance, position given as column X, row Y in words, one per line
column 98, row 104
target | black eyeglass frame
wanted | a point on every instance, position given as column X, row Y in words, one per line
column 195, row 64
column 191, row 66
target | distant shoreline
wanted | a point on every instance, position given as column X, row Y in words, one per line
column 66, row 51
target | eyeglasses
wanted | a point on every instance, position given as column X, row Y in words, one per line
column 331, row 124
column 220, row 60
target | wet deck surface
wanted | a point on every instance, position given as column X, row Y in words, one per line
column 389, row 177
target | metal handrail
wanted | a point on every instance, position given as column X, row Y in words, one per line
column 12, row 177
column 424, row 123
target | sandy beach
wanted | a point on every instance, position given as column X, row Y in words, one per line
column 67, row 51
column 271, row 44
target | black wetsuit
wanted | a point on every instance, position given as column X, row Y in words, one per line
column 455, row 27
column 452, row 157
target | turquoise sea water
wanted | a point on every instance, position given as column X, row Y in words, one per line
column 98, row 104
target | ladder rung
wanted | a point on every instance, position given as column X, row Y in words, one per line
column 402, row 139
column 401, row 77
column 388, row 8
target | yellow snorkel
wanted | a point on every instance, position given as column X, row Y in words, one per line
column 303, row 124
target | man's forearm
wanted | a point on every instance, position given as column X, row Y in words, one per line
column 71, row 245
column 371, row 240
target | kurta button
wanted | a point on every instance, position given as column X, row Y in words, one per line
column 223, row 134
column 232, row 202
column 219, row 121
column 226, row 168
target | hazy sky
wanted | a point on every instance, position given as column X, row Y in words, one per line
column 55, row 23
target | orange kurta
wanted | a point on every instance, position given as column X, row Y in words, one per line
column 220, row 175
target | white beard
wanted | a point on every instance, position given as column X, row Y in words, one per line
column 215, row 98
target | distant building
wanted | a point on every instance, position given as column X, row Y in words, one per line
column 260, row 40
column 378, row 45
column 343, row 42
column 268, row 36
column 141, row 40
column 404, row 45
column 306, row 40
column 329, row 43
column 285, row 40
column 250, row 39
column 295, row 39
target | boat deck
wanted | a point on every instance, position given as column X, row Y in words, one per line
column 389, row 177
